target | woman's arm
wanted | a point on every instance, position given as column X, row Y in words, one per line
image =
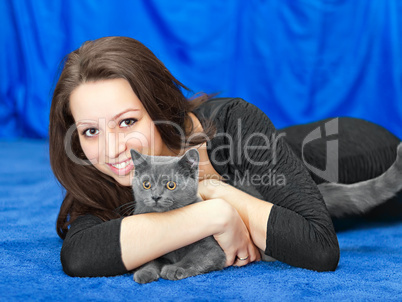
column 295, row 220
column 149, row 236
column 96, row 248
column 253, row 211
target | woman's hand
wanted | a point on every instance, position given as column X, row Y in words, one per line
column 254, row 212
column 208, row 187
column 234, row 237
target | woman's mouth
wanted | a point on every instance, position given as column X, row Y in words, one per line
column 122, row 168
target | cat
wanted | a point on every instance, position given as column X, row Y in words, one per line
column 164, row 183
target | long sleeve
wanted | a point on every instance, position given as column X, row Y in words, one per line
column 299, row 230
column 92, row 248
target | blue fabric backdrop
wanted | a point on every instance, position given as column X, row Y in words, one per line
column 299, row 61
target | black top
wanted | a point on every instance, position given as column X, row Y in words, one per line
column 299, row 230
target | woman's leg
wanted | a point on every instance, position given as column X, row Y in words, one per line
column 348, row 149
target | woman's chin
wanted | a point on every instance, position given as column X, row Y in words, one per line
column 125, row 180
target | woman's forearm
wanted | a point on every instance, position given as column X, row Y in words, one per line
column 148, row 236
column 253, row 211
column 95, row 248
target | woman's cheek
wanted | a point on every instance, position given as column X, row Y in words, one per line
column 137, row 140
column 91, row 151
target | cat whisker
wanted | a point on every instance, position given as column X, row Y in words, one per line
column 125, row 209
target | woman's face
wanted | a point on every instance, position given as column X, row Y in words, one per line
column 110, row 121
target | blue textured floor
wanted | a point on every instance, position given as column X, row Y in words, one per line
column 370, row 266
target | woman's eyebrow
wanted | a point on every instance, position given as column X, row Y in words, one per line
column 125, row 111
column 85, row 123
column 93, row 122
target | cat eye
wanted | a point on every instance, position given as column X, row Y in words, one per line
column 171, row 185
column 146, row 184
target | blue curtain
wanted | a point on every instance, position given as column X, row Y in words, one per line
column 298, row 60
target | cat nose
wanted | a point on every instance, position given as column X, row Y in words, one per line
column 156, row 198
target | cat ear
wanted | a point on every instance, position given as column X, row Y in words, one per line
column 139, row 159
column 190, row 160
column 192, row 156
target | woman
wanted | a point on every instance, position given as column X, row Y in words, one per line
column 114, row 95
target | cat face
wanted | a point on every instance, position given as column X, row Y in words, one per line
column 164, row 183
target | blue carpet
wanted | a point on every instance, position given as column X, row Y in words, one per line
column 369, row 269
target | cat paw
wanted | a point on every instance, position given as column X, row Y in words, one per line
column 172, row 272
column 145, row 276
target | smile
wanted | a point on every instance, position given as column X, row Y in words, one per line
column 122, row 168
column 122, row 165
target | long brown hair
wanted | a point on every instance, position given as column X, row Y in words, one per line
column 89, row 191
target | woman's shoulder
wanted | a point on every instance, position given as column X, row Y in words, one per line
column 215, row 104
column 221, row 109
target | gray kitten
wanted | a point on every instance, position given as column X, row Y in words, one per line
column 164, row 183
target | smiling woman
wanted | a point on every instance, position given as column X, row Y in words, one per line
column 114, row 96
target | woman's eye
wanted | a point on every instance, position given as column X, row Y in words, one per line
column 91, row 132
column 128, row 122
column 171, row 185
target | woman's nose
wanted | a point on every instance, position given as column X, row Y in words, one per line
column 115, row 143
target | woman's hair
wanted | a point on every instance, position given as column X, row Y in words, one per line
column 89, row 191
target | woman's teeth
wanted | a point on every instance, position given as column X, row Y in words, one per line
column 121, row 165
